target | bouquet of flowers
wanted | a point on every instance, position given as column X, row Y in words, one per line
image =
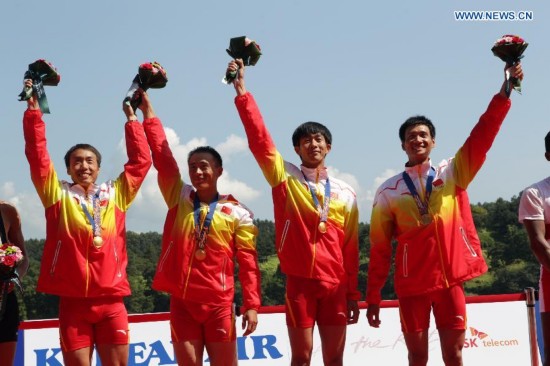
column 246, row 49
column 509, row 48
column 150, row 75
column 41, row 72
column 10, row 256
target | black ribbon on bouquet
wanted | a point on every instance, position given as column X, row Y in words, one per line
column 42, row 73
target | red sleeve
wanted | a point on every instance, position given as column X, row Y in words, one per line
column 351, row 252
column 247, row 257
column 169, row 177
column 43, row 174
column 472, row 154
column 139, row 162
column 259, row 140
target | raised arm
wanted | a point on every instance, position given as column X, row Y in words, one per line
column 259, row 139
column 139, row 159
column 472, row 155
column 169, row 177
column 43, row 174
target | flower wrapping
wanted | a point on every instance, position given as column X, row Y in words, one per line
column 41, row 72
column 509, row 48
column 244, row 48
column 150, row 75
column 46, row 71
column 10, row 256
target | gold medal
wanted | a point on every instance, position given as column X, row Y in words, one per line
column 98, row 241
column 426, row 219
column 200, row 254
column 323, row 227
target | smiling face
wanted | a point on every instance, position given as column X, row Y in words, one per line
column 83, row 167
column 204, row 172
column 312, row 150
column 418, row 144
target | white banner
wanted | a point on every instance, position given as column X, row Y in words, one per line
column 497, row 334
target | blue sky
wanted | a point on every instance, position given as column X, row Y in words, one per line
column 359, row 67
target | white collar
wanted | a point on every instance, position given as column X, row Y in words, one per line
column 78, row 189
column 420, row 169
column 314, row 174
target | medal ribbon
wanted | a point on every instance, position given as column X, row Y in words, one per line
column 95, row 221
column 421, row 204
column 201, row 231
column 323, row 210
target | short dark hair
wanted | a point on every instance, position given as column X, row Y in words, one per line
column 209, row 150
column 83, row 147
column 547, row 142
column 414, row 121
column 311, row 128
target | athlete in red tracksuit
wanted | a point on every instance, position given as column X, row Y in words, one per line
column 199, row 275
column 84, row 258
column 427, row 211
column 316, row 224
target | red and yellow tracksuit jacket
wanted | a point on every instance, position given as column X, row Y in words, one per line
column 447, row 251
column 303, row 251
column 71, row 265
column 232, row 235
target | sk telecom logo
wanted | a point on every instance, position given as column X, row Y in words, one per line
column 482, row 339
column 475, row 338
column 476, row 333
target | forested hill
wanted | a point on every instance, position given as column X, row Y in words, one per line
column 512, row 266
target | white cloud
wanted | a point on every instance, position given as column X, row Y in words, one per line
column 148, row 210
column 346, row 177
column 365, row 202
column 386, row 174
column 242, row 191
column 8, row 189
column 232, row 145
column 30, row 210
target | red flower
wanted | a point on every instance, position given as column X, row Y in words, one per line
column 9, row 260
column 509, row 38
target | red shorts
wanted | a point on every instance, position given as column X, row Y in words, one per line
column 449, row 307
column 309, row 301
column 544, row 290
column 84, row 322
column 191, row 321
